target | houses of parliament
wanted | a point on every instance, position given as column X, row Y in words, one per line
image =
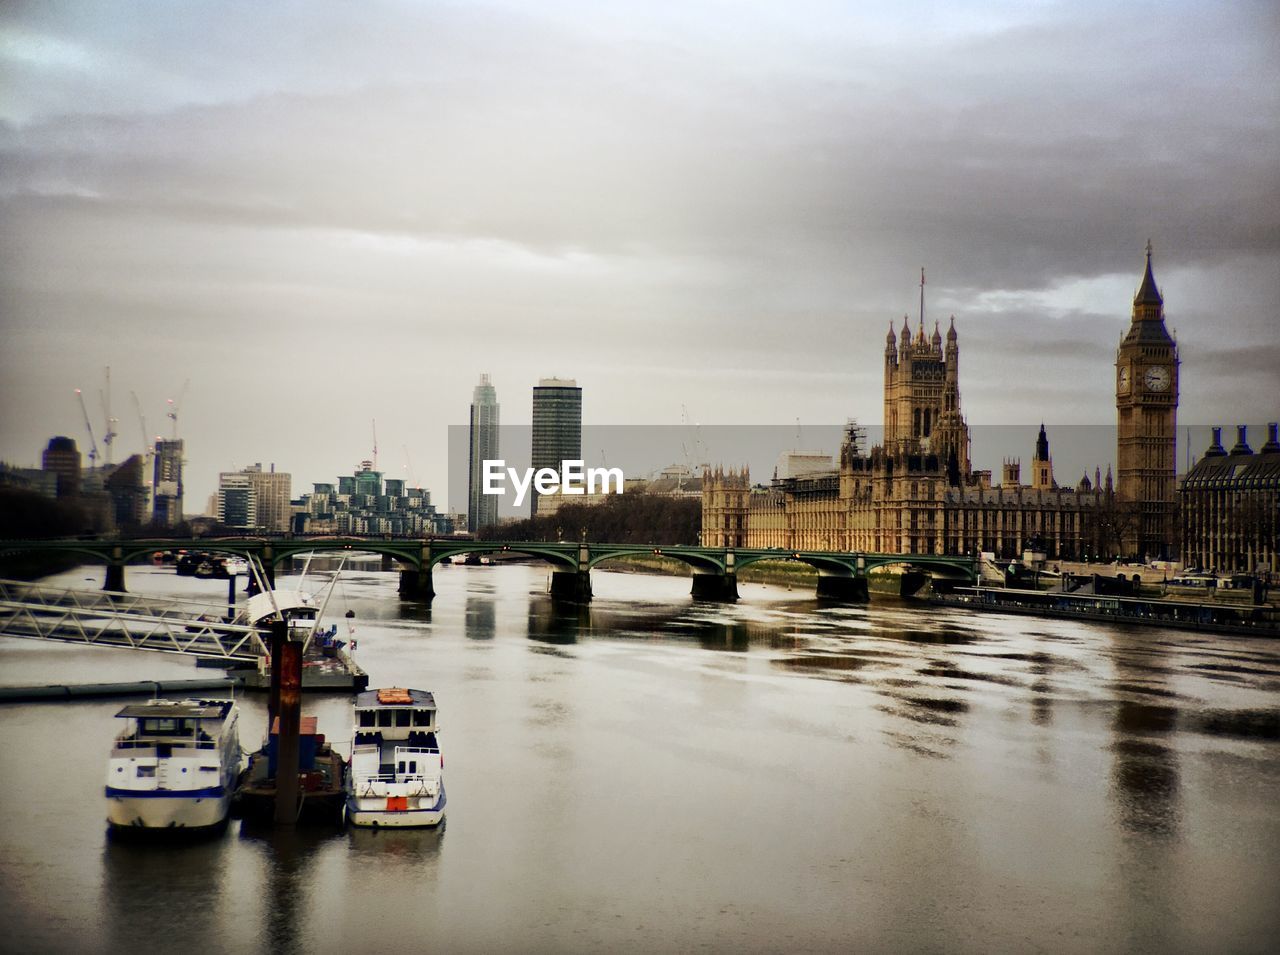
column 918, row 493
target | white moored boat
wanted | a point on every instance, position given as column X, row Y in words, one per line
column 396, row 773
column 174, row 766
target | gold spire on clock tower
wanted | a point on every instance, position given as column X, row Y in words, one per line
column 1146, row 420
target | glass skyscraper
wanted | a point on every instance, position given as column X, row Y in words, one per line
column 482, row 509
column 557, row 426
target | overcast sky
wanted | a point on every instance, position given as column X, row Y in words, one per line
column 321, row 214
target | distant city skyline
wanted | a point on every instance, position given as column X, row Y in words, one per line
column 702, row 224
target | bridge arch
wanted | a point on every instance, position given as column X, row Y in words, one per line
column 561, row 555
column 702, row 563
column 919, row 569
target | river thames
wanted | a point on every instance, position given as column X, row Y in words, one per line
column 655, row 775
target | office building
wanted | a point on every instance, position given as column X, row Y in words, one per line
column 255, row 499
column 237, row 502
column 63, row 459
column 557, row 426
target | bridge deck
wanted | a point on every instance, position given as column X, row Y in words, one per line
column 123, row 620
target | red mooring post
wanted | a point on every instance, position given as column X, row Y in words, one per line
column 290, row 724
column 279, row 637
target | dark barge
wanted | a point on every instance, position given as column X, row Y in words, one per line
column 321, row 797
column 1243, row 620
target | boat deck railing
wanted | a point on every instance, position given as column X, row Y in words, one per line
column 185, row 742
column 377, row 784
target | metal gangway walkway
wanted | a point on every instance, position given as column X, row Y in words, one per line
column 104, row 619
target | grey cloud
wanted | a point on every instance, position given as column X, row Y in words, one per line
column 514, row 190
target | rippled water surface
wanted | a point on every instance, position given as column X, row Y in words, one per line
column 651, row 774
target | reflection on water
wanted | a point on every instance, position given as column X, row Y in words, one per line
column 481, row 618
column 552, row 622
column 411, row 852
column 288, row 856
column 1145, row 775
column 647, row 773
column 141, row 877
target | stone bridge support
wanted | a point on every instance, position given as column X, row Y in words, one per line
column 268, row 562
column 709, row 585
column 912, row 582
column 573, row 586
column 843, row 588
column 715, row 584
column 415, row 584
column 114, row 582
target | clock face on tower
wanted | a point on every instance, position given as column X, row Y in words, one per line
column 1124, row 379
column 1157, row 378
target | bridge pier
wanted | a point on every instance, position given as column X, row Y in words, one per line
column 912, row 582
column 571, row 586
column 115, row 577
column 713, row 586
column 415, row 584
column 841, row 589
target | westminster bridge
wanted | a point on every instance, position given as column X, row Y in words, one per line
column 842, row 575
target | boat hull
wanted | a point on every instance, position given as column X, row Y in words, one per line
column 373, row 813
column 171, row 811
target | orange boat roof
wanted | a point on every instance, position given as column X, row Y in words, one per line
column 394, row 695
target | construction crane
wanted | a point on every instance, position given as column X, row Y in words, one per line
column 104, row 398
column 148, row 446
column 93, row 445
column 408, row 466
column 174, row 406
column 375, row 444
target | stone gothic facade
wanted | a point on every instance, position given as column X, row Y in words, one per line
column 918, row 493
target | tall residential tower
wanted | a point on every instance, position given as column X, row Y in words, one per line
column 482, row 509
column 557, row 426
column 167, row 508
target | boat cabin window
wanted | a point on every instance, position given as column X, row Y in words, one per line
column 146, row 771
column 368, row 718
column 165, row 726
column 384, row 718
column 413, row 766
column 402, row 717
column 421, row 717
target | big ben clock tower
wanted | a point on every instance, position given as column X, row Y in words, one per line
column 1146, row 418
